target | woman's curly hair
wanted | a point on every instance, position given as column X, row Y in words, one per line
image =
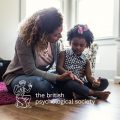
column 81, row 31
column 40, row 24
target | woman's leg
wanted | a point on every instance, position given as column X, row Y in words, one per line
column 39, row 84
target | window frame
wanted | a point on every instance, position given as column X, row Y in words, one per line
column 115, row 21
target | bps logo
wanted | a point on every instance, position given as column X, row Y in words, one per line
column 20, row 90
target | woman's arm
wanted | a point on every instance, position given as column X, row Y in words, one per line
column 60, row 63
column 27, row 61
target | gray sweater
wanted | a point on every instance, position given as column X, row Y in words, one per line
column 23, row 62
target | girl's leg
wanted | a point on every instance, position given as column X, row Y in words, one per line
column 73, row 86
column 69, row 86
column 103, row 85
column 39, row 84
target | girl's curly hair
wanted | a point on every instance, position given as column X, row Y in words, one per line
column 81, row 31
column 40, row 24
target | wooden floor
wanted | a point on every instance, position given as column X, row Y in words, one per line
column 101, row 110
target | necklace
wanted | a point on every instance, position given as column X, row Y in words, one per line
column 45, row 53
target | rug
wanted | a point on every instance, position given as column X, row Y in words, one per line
column 5, row 96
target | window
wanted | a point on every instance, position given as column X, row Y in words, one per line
column 34, row 5
column 99, row 15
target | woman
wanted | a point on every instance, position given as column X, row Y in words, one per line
column 36, row 50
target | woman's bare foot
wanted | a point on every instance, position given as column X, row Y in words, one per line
column 103, row 95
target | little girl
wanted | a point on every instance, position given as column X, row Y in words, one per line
column 82, row 82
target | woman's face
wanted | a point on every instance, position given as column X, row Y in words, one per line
column 78, row 45
column 55, row 36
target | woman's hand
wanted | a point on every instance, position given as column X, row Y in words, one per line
column 96, row 83
column 66, row 75
column 69, row 75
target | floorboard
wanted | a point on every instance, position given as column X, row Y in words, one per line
column 100, row 110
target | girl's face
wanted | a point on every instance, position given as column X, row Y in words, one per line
column 55, row 36
column 78, row 45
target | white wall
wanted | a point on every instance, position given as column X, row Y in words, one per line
column 106, row 59
column 9, row 19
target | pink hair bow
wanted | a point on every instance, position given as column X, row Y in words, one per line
column 82, row 29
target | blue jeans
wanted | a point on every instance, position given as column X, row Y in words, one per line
column 70, row 86
column 39, row 84
column 42, row 86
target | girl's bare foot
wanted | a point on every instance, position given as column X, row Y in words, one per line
column 103, row 95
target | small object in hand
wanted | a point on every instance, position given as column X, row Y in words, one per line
column 96, row 83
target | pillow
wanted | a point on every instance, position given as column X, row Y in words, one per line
column 91, row 55
column 3, row 66
column 3, row 87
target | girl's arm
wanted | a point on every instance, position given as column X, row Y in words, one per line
column 88, row 72
column 60, row 67
column 60, row 63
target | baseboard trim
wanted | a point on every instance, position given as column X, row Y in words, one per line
column 109, row 74
column 117, row 79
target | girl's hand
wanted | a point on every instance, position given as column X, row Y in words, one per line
column 76, row 78
column 82, row 73
column 96, row 83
